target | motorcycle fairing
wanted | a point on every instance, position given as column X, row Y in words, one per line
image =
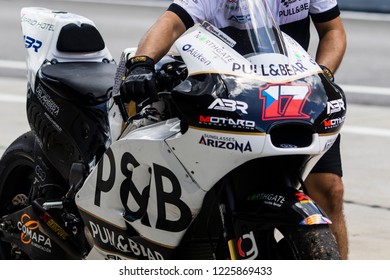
column 270, row 209
column 45, row 31
column 25, row 229
column 140, row 184
column 204, row 53
column 231, row 103
column 112, row 242
column 288, row 86
column 286, row 206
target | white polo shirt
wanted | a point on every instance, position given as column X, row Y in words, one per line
column 293, row 16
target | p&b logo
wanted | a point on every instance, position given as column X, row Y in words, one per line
column 135, row 191
column 30, row 42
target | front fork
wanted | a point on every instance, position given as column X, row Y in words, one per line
column 264, row 210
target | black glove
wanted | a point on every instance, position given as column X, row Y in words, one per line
column 327, row 72
column 140, row 82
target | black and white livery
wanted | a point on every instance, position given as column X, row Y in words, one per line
column 213, row 170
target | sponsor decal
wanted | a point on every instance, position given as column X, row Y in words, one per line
column 226, row 143
column 37, row 24
column 30, row 234
column 268, row 198
column 196, row 54
column 287, row 3
column 316, row 219
column 55, row 227
column 271, row 70
column 242, row 19
column 227, row 122
column 229, row 105
column 113, row 257
column 247, row 247
column 303, row 198
column 329, row 144
column 285, row 101
column 122, row 243
column 46, row 101
column 41, row 174
column 31, row 43
column 333, row 123
column 293, row 10
column 217, row 50
column 335, row 106
column 135, row 195
column 231, row 5
column 218, row 33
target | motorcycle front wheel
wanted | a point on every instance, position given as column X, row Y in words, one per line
column 315, row 242
column 16, row 179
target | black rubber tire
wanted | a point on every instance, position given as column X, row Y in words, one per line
column 315, row 242
column 16, row 177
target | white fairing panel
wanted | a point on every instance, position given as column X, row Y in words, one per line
column 150, row 190
column 41, row 27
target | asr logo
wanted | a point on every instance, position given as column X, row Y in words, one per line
column 30, row 42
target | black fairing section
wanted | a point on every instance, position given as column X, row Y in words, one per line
column 30, row 237
column 69, row 118
column 307, row 114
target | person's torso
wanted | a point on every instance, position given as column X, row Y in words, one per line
column 293, row 16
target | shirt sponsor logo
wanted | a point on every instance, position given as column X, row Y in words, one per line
column 240, row 18
column 291, row 11
column 287, row 3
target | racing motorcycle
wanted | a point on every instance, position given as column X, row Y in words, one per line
column 214, row 169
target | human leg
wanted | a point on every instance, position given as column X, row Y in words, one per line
column 327, row 190
column 325, row 187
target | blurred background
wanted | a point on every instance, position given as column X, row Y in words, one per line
column 377, row 6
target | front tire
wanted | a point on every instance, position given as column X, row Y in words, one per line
column 314, row 242
column 16, row 179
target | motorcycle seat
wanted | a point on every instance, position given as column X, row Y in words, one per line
column 85, row 82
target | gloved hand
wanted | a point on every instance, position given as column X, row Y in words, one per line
column 140, row 82
column 327, row 72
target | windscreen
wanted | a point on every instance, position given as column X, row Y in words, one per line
column 258, row 33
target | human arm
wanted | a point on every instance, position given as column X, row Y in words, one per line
column 161, row 36
column 140, row 82
column 332, row 43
